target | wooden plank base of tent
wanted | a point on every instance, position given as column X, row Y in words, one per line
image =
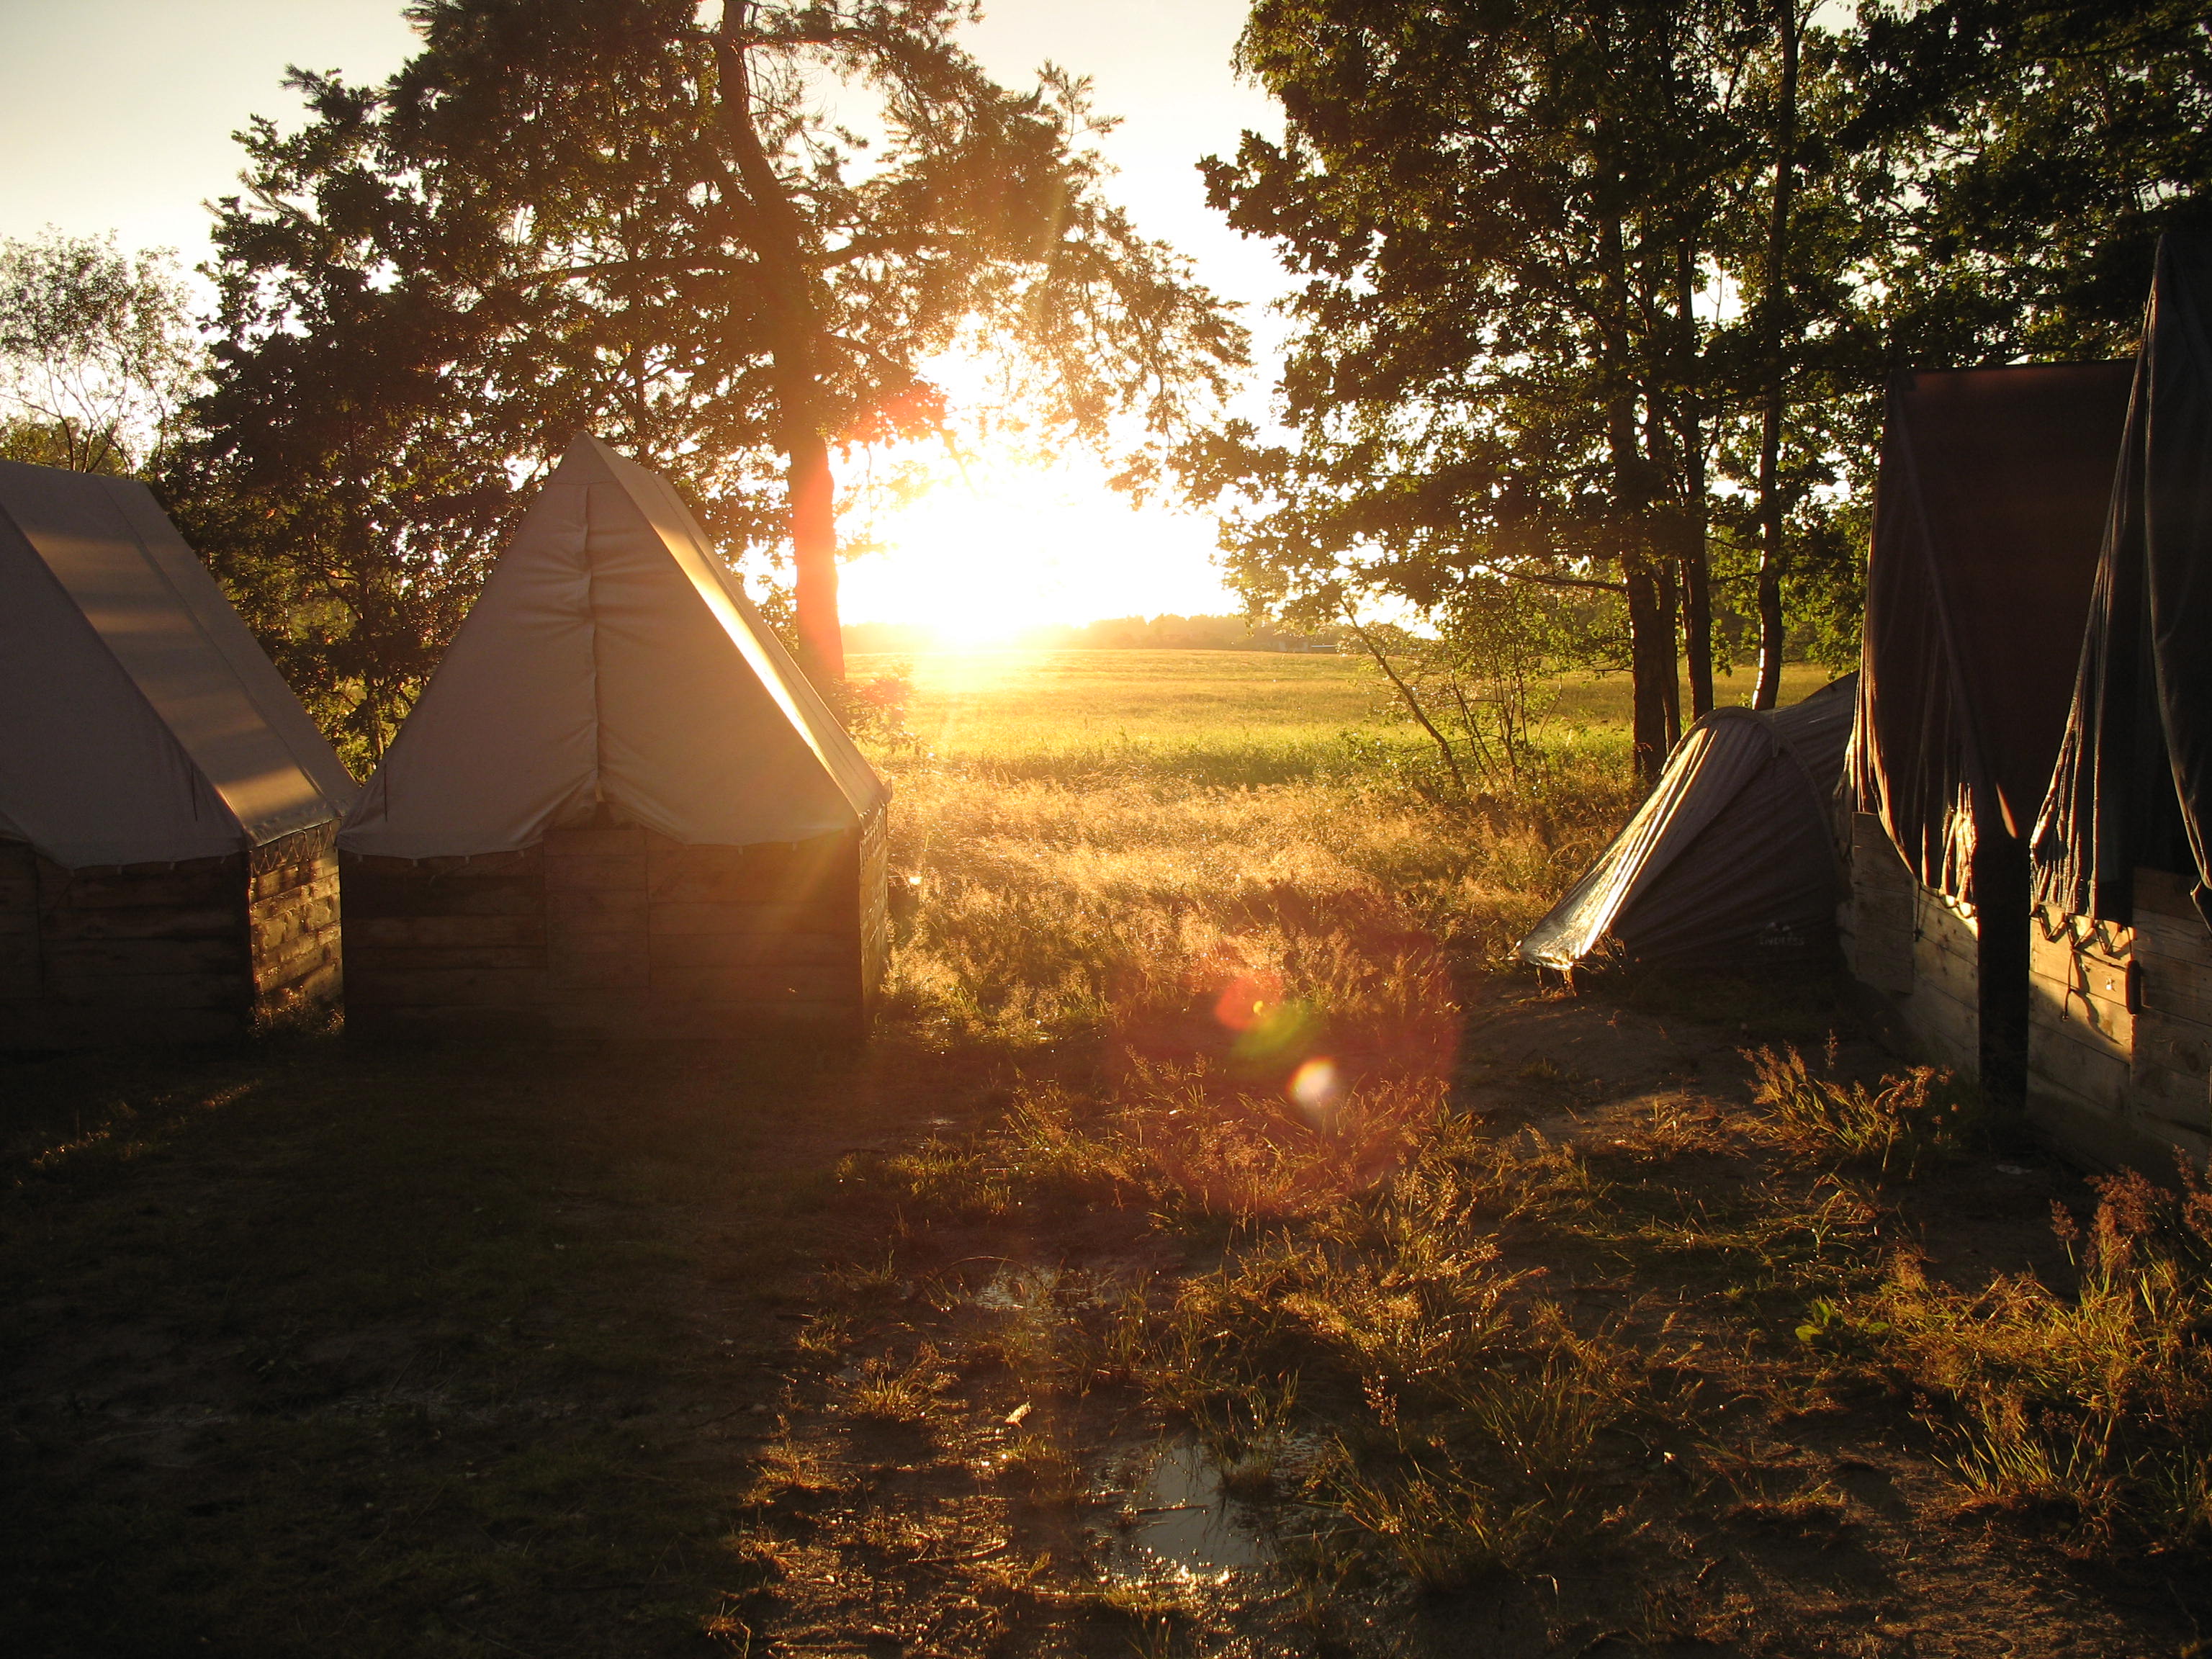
column 614, row 931
column 199, row 952
column 2120, row 1032
column 1918, row 949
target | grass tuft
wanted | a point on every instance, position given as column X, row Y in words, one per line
column 2096, row 1407
column 1926, row 1112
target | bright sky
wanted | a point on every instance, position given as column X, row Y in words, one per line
column 117, row 115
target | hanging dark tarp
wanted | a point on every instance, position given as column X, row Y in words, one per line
column 1994, row 482
column 2133, row 784
column 1730, row 861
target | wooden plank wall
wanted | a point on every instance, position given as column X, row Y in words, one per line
column 151, row 953
column 615, row 931
column 192, row 952
column 1943, row 1012
column 1914, row 946
column 1877, row 933
column 2120, row 1033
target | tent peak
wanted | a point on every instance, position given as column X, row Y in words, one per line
column 587, row 459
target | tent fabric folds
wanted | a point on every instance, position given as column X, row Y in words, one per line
column 2133, row 784
column 612, row 659
column 140, row 722
column 1994, row 482
column 1730, row 860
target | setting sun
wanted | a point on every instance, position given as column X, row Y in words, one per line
column 993, row 550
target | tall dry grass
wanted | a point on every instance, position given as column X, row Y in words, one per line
column 1259, row 980
column 1052, row 907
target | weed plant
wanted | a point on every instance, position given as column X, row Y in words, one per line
column 1924, row 1113
column 2094, row 1406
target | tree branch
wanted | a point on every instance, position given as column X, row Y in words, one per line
column 1412, row 703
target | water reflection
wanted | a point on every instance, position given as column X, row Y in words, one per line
column 1178, row 1521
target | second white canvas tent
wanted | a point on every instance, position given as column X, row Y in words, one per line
column 140, row 722
column 662, row 825
column 612, row 657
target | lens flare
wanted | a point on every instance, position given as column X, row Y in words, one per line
column 1317, row 1089
column 1249, row 1001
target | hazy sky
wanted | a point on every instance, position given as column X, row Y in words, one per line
column 117, row 115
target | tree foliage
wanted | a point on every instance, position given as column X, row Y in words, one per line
column 1601, row 294
column 97, row 354
column 728, row 248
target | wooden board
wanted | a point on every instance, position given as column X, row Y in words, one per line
column 465, row 932
column 751, row 949
column 1945, row 1030
column 623, row 961
column 201, row 883
column 2056, row 1007
column 1881, row 909
column 2097, row 1076
column 2120, row 1024
column 619, row 871
column 603, row 930
column 823, row 869
column 767, row 986
column 499, row 883
column 117, row 993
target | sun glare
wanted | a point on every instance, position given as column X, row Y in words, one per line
column 990, row 552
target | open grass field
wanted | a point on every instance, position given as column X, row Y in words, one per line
column 1220, row 1249
column 1236, row 715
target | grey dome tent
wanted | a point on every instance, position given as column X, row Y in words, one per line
column 166, row 807
column 1730, row 861
column 619, row 808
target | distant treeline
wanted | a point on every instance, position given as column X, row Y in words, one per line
column 1166, row 632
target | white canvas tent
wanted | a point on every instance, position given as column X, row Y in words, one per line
column 612, row 657
column 139, row 720
column 618, row 806
column 166, row 807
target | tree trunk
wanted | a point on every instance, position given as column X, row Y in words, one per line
column 1696, row 568
column 772, row 228
column 1650, row 625
column 814, row 558
column 1770, row 441
column 1651, row 665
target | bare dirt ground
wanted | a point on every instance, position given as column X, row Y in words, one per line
column 311, row 1349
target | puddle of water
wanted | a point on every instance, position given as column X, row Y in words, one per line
column 1181, row 1522
column 1015, row 1289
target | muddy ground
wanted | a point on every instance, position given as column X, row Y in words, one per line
column 318, row 1349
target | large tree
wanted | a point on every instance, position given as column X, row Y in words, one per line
column 730, row 244
column 1603, row 292
column 1506, row 215
column 2031, row 152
